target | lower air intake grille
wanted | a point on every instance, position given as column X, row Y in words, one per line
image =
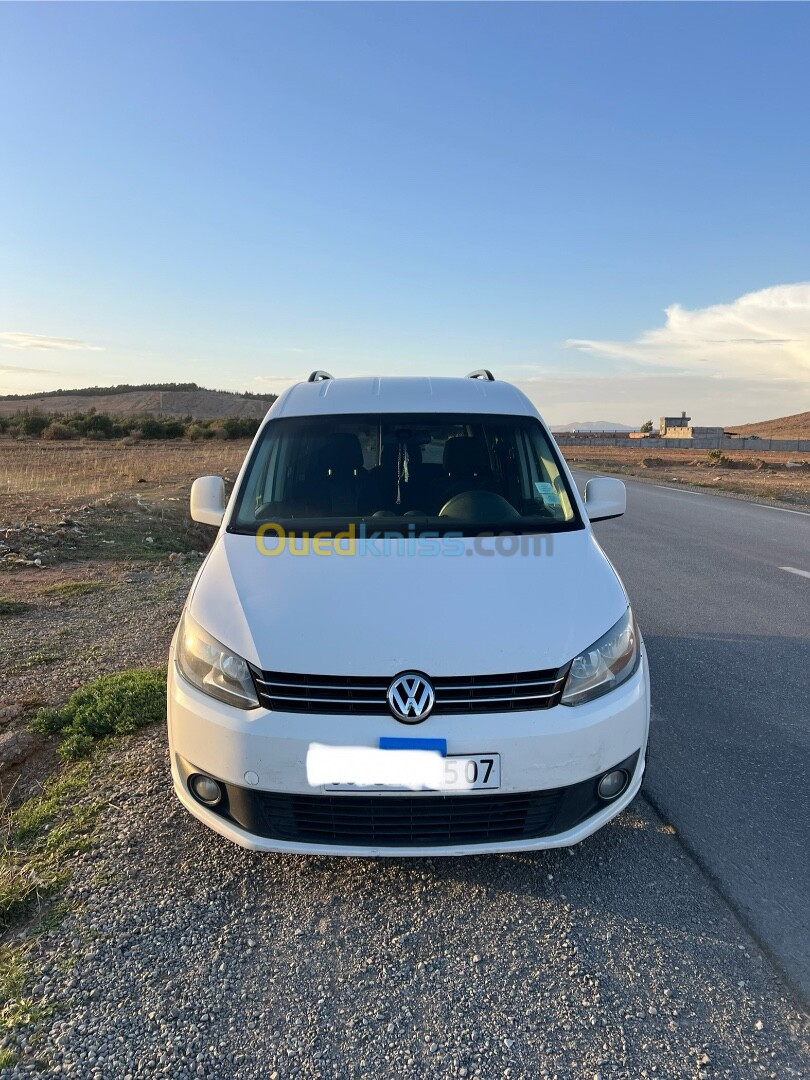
column 408, row 820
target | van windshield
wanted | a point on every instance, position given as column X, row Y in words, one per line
column 406, row 474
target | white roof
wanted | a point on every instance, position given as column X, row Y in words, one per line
column 396, row 394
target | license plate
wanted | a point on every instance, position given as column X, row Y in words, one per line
column 459, row 772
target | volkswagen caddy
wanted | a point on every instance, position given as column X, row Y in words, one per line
column 405, row 639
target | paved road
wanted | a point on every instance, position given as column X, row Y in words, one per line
column 728, row 634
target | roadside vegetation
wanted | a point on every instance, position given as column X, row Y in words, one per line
column 66, row 589
column 12, row 607
column 39, row 840
column 112, row 705
column 99, row 426
column 40, row 837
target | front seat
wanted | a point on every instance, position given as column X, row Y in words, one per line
column 341, row 478
column 465, row 467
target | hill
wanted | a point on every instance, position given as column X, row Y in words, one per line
column 796, row 426
column 592, row 425
column 193, row 401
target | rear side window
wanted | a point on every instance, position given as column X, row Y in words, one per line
column 414, row 473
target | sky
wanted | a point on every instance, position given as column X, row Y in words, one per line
column 604, row 203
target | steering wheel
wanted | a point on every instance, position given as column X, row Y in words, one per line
column 480, row 507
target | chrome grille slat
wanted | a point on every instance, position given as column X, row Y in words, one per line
column 327, row 700
column 365, row 695
column 381, row 687
column 440, row 686
column 513, row 697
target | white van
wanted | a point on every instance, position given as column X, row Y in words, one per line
column 406, row 639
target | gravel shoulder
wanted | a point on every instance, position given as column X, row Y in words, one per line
column 183, row 956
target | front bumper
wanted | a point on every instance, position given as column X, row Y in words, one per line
column 260, row 757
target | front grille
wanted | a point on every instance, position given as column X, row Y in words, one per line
column 408, row 820
column 366, row 695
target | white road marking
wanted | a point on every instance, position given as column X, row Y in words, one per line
column 721, row 494
column 793, row 570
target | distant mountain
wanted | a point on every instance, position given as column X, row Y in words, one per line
column 592, row 425
column 796, row 426
column 169, row 399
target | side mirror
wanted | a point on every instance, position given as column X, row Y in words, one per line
column 605, row 498
column 208, row 500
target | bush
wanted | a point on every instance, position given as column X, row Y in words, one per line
column 56, row 430
column 197, row 430
column 94, row 425
column 112, row 705
column 717, row 457
column 98, row 425
column 33, row 424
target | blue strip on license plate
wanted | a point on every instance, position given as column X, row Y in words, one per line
column 438, row 746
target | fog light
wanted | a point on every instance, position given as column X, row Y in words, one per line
column 613, row 784
column 205, row 789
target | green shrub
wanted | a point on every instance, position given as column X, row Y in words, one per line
column 33, row 423
column 12, row 607
column 717, row 457
column 56, row 430
column 199, row 430
column 112, row 705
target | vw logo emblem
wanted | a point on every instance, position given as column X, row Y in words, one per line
column 411, row 697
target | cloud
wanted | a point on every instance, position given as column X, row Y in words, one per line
column 13, row 370
column 12, row 339
column 762, row 334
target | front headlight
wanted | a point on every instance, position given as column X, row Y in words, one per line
column 607, row 664
column 207, row 664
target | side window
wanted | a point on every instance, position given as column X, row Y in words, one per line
column 549, row 485
column 271, row 472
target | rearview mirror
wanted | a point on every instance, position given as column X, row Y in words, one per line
column 208, row 500
column 605, row 498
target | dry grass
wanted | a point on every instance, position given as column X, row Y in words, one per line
column 742, row 472
column 71, row 471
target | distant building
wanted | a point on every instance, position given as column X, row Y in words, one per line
column 706, row 432
column 679, row 427
column 675, row 427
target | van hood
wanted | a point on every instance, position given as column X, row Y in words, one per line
column 457, row 612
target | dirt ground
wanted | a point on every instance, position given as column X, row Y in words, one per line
column 97, row 554
column 772, row 476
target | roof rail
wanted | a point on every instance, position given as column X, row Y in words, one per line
column 319, row 376
column 482, row 373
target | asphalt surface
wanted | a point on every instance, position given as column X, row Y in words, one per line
column 728, row 635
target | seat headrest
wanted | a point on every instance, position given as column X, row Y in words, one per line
column 341, row 453
column 465, row 456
